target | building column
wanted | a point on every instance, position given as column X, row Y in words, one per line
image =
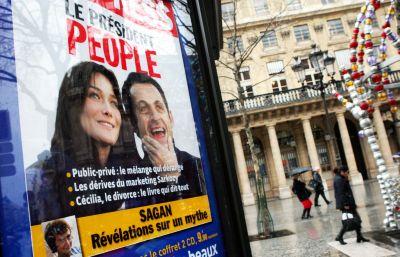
column 397, row 128
column 244, row 183
column 301, row 148
column 284, row 191
column 384, row 142
column 312, row 148
column 271, row 168
column 356, row 177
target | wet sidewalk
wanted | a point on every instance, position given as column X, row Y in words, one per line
column 312, row 237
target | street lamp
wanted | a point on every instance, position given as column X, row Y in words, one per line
column 322, row 63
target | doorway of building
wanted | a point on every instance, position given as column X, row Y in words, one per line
column 355, row 143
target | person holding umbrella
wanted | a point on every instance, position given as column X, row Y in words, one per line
column 303, row 194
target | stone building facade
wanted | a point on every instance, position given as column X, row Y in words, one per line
column 288, row 123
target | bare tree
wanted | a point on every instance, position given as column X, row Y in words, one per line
column 236, row 56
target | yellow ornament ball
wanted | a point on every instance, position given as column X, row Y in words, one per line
column 364, row 9
column 382, row 96
column 368, row 21
column 368, row 36
column 385, row 74
column 344, row 102
column 354, row 67
column 382, row 56
column 360, row 90
column 392, row 11
column 393, row 109
column 349, row 83
column 370, row 101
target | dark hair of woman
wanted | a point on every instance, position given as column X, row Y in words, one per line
column 69, row 137
column 336, row 170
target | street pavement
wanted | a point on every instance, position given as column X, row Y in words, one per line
column 315, row 237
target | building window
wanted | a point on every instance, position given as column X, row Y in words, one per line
column 228, row 11
column 301, row 33
column 323, row 154
column 248, row 91
column 269, row 39
column 275, row 67
column 324, row 2
column 260, row 6
column 244, row 73
column 305, row 62
column 312, row 79
column 335, row 27
column 239, row 44
column 245, row 82
column 279, row 85
column 292, row 5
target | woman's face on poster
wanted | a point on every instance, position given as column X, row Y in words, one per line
column 100, row 118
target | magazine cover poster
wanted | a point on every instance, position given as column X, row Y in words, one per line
column 107, row 127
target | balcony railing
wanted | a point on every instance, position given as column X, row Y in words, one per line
column 289, row 96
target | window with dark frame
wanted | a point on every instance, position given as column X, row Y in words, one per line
column 239, row 44
column 279, row 85
column 244, row 73
column 228, row 11
column 260, row 6
column 335, row 27
column 269, row 39
column 301, row 33
column 292, row 5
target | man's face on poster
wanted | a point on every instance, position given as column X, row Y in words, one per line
column 153, row 117
column 64, row 243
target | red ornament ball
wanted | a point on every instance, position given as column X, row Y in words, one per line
column 392, row 102
column 356, row 75
column 370, row 110
column 377, row 77
column 369, row 44
column 364, row 106
column 377, row 5
column 383, row 35
column 353, row 44
column 378, row 88
column 353, row 58
column 386, row 25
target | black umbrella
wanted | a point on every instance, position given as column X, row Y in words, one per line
column 300, row 170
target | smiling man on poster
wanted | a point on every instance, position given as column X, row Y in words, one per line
column 153, row 121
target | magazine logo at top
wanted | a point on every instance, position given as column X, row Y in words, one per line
column 151, row 14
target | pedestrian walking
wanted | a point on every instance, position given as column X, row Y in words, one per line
column 300, row 190
column 346, row 203
column 318, row 186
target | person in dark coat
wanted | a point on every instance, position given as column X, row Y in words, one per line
column 300, row 190
column 345, row 202
column 318, row 186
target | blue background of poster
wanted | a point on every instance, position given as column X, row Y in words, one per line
column 14, row 218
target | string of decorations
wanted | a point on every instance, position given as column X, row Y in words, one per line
column 363, row 98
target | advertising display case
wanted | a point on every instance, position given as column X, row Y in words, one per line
column 112, row 139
